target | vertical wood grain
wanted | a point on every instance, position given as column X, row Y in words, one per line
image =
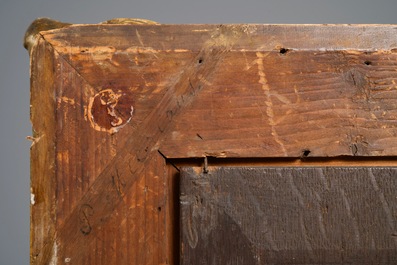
column 44, row 77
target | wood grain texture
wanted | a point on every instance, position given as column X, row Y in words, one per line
column 267, row 104
column 279, row 89
column 173, row 217
column 111, row 104
column 299, row 215
column 43, row 168
column 99, row 167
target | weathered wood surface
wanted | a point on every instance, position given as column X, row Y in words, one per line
column 110, row 178
column 289, row 216
column 276, row 91
column 43, row 169
column 111, row 102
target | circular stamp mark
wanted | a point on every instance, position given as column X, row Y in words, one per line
column 109, row 111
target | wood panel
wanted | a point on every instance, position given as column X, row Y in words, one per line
column 112, row 104
column 278, row 89
column 270, row 104
column 242, row 215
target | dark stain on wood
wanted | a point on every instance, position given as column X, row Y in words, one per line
column 240, row 215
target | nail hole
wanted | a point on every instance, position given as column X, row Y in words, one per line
column 200, row 61
column 283, row 50
column 159, row 209
column 367, row 62
column 305, row 153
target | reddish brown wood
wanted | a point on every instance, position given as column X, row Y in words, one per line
column 240, row 215
column 43, row 170
column 111, row 104
column 274, row 92
column 327, row 102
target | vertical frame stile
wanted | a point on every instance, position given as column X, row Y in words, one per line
column 44, row 76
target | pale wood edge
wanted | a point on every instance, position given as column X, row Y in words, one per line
column 263, row 37
column 43, row 161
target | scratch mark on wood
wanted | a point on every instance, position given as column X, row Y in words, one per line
column 321, row 176
column 295, row 190
column 118, row 183
column 351, row 217
column 139, row 37
column 305, row 235
column 269, row 103
column 383, row 201
column 143, row 45
column 86, row 211
column 190, row 224
column 320, row 213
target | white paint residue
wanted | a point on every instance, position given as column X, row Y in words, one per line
column 67, row 260
column 32, row 201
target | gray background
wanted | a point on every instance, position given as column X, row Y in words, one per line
column 16, row 15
